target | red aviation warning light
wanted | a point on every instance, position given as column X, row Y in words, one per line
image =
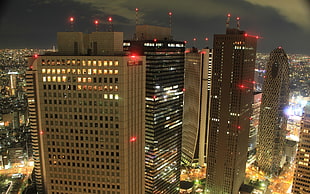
column 41, row 132
column 110, row 19
column 35, row 56
column 206, row 39
column 71, row 19
column 96, row 22
column 137, row 9
column 133, row 139
column 170, row 13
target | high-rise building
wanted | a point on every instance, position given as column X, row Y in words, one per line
column 198, row 67
column 254, row 127
column 302, row 169
column 87, row 114
column 273, row 120
column 164, row 105
column 233, row 66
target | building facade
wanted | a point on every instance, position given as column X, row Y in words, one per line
column 198, row 69
column 234, row 56
column 88, row 117
column 302, row 169
column 164, row 106
column 254, row 128
column 273, row 120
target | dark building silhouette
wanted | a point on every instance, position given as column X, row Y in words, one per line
column 234, row 55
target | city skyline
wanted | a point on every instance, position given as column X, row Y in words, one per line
column 26, row 24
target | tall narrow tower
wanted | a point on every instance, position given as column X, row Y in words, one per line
column 88, row 116
column 198, row 73
column 273, row 121
column 233, row 67
column 164, row 106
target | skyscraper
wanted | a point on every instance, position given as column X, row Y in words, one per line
column 164, row 105
column 233, row 66
column 88, row 116
column 198, row 67
column 273, row 121
column 252, row 147
column 301, row 175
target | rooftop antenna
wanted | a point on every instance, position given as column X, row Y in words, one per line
column 195, row 42
column 206, row 39
column 110, row 24
column 170, row 22
column 71, row 20
column 137, row 11
column 227, row 21
column 238, row 23
column 96, row 22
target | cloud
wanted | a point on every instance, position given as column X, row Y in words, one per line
column 296, row 11
column 126, row 8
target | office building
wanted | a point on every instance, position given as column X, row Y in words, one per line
column 198, row 67
column 302, row 169
column 164, row 105
column 87, row 114
column 233, row 66
column 273, row 120
column 254, row 128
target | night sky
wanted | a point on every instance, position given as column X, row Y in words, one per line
column 34, row 23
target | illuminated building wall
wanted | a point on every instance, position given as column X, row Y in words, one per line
column 301, row 175
column 198, row 67
column 88, row 122
column 164, row 109
column 233, row 66
column 254, row 127
column 273, row 121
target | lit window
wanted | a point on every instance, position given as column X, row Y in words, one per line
column 48, row 71
column 99, row 71
column 79, row 87
column 105, row 71
column 110, row 71
column 79, row 79
column 89, row 80
column 94, row 71
column 105, row 63
column 73, row 62
column 116, row 88
column 116, row 71
column 111, row 88
column 84, row 79
column 94, row 63
column 111, row 96
column 43, row 70
column 58, row 78
column 63, row 71
column 84, row 63
column 110, row 63
column 116, row 97
column 58, row 71
column 105, row 96
column 53, row 71
column 89, row 63
column 99, row 63
column 49, row 78
column 89, row 71
column 54, row 78
column 64, row 78
column 68, row 62
column 44, row 79
column 115, row 63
